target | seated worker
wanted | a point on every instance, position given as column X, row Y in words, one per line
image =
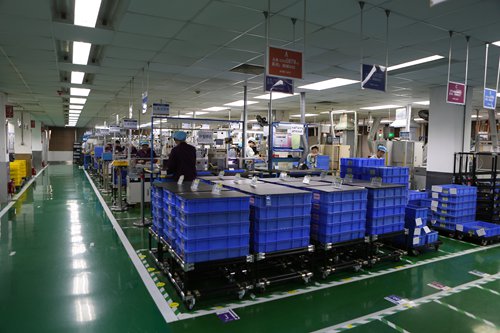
column 118, row 147
column 144, row 154
column 182, row 158
column 381, row 150
column 108, row 148
column 312, row 157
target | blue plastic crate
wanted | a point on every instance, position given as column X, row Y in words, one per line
column 346, row 206
column 191, row 257
column 454, row 199
column 382, row 193
column 339, row 196
column 169, row 197
column 157, row 222
column 169, row 209
column 454, row 206
column 443, row 225
column 281, row 223
column 323, row 162
column 385, row 229
column 413, row 212
column 386, row 202
column 385, row 221
column 417, row 195
column 275, row 212
column 325, row 218
column 432, row 237
column 454, row 189
column 170, row 220
column 482, row 229
column 385, row 211
column 280, row 245
column 157, row 212
column 451, row 219
column 336, row 228
column 169, row 234
column 212, row 204
column 213, row 230
column 215, row 243
column 454, row 213
column 340, row 237
column 213, row 218
column 156, row 202
column 277, row 235
column 281, row 199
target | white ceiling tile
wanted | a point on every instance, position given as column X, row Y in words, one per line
column 176, row 9
column 150, row 25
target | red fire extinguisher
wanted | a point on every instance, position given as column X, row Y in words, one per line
column 33, row 171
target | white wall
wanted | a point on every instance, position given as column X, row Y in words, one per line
column 60, row 156
column 36, row 137
column 447, row 130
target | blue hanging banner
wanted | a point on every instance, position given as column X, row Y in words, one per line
column 286, row 87
column 374, row 77
column 490, row 99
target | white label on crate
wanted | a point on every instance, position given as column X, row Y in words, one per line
column 181, row 180
column 283, row 175
column 254, row 181
column 306, row 180
column 221, row 175
column 195, row 184
column 427, row 230
column 433, row 222
column 435, row 195
column 460, row 227
column 481, row 232
column 268, row 201
column 434, row 209
column 436, row 188
column 417, row 231
column 316, row 196
column 376, row 181
column 217, row 188
column 453, row 191
column 416, row 240
column 418, row 221
column 434, row 203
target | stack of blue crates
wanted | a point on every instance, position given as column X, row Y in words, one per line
column 280, row 217
column 415, row 223
column 211, row 226
column 386, row 209
column 338, row 215
column 452, row 204
column 389, row 175
column 157, row 209
column 356, row 166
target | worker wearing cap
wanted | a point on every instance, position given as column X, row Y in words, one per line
column 182, row 158
column 144, row 153
column 251, row 149
column 381, row 150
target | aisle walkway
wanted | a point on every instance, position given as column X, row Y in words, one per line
column 63, row 269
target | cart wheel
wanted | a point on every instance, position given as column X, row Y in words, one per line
column 190, row 303
column 241, row 293
column 484, row 242
column 460, row 236
column 357, row 268
column 324, row 275
column 414, row 252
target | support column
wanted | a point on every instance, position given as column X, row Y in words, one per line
column 305, row 144
column 4, row 156
column 449, row 132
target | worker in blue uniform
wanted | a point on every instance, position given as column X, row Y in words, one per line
column 381, row 150
column 182, row 158
column 144, row 154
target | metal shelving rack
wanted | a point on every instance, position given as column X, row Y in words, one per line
column 480, row 170
column 291, row 151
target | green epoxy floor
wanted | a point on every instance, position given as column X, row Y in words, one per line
column 63, row 269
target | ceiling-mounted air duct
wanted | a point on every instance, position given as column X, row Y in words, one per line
column 345, row 124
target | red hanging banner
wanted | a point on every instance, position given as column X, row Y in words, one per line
column 284, row 63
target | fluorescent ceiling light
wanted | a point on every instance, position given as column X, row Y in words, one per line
column 415, row 62
column 306, row 115
column 419, row 119
column 240, row 103
column 386, row 121
column 75, row 107
column 86, row 12
column 328, row 84
column 276, row 95
column 216, row 108
column 70, row 125
column 101, row 127
column 74, row 100
column 75, row 116
column 497, row 43
column 381, row 107
column 79, row 92
column 75, row 111
column 423, row 103
column 197, row 113
column 476, row 116
column 77, row 77
column 81, row 52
